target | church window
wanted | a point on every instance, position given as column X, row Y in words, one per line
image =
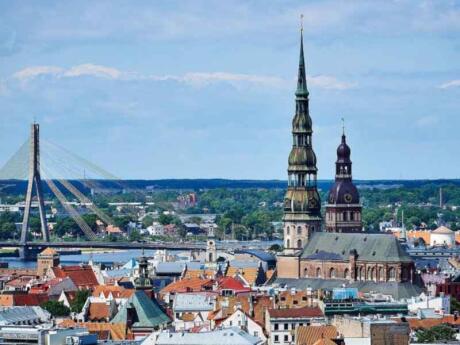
column 332, row 273
column 288, row 230
column 351, row 216
column 346, row 273
column 299, row 230
column 318, row 272
column 392, row 274
column 373, row 274
column 361, row 273
column 288, row 244
column 305, row 273
column 299, row 243
column 381, row 274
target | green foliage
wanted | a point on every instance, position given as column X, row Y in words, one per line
column 7, row 225
column 166, row 219
column 135, row 236
column 56, row 309
column 454, row 305
column 80, row 298
column 147, row 221
column 440, row 333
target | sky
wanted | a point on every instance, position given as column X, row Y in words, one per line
column 205, row 89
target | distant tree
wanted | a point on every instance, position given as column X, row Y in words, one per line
column 135, row 235
column 440, row 333
column 56, row 309
column 147, row 221
column 165, row 219
column 79, row 301
column 275, row 247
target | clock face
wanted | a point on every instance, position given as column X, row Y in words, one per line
column 312, row 202
column 348, row 198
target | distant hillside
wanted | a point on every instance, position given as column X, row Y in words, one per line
column 19, row 186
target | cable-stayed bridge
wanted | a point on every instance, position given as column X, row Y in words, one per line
column 44, row 163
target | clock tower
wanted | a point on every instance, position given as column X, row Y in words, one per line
column 343, row 210
column 302, row 204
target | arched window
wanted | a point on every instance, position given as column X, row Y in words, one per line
column 381, row 274
column 332, row 273
column 299, row 243
column 392, row 274
column 373, row 274
column 288, row 230
column 346, row 273
column 318, row 272
column 299, row 230
column 305, row 273
column 288, row 243
column 368, row 274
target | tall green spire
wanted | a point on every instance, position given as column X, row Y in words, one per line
column 302, row 90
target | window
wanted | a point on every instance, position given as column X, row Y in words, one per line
column 299, row 243
column 392, row 274
column 318, row 272
column 286, row 326
column 299, row 230
column 295, row 302
column 332, row 273
column 381, row 275
column 288, row 230
column 305, row 272
column 275, row 326
column 286, row 338
column 288, row 243
column 276, row 338
column 346, row 273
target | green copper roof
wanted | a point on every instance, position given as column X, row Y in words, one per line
column 370, row 247
column 302, row 78
column 148, row 313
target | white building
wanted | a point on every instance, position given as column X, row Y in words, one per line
column 442, row 236
column 244, row 322
column 192, row 310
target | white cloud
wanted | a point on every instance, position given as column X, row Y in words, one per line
column 427, row 121
column 36, row 71
column 329, row 82
column 191, row 78
column 449, row 84
column 93, row 70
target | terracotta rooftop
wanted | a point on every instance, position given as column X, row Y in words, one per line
column 99, row 311
column 82, row 276
column 49, row 252
column 29, row 299
column 230, row 283
column 296, row 312
column 118, row 331
column 309, row 335
column 188, row 285
column 248, row 273
column 116, row 291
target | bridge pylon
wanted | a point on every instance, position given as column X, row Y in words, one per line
column 34, row 179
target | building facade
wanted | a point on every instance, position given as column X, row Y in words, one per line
column 343, row 211
column 302, row 204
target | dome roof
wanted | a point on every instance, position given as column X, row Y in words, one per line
column 302, row 201
column 343, row 151
column 302, row 156
column 343, row 192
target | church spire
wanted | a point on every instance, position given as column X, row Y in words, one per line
column 302, row 90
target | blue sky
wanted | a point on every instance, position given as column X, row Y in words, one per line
column 201, row 89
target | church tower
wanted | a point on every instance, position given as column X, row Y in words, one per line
column 343, row 211
column 302, row 204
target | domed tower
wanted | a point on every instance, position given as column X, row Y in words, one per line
column 343, row 210
column 302, row 204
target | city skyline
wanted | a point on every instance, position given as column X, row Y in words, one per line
column 176, row 91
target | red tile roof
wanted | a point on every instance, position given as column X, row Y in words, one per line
column 187, row 285
column 99, row 311
column 296, row 312
column 230, row 283
column 29, row 299
column 82, row 276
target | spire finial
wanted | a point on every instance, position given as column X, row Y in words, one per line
column 301, row 23
column 343, row 126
